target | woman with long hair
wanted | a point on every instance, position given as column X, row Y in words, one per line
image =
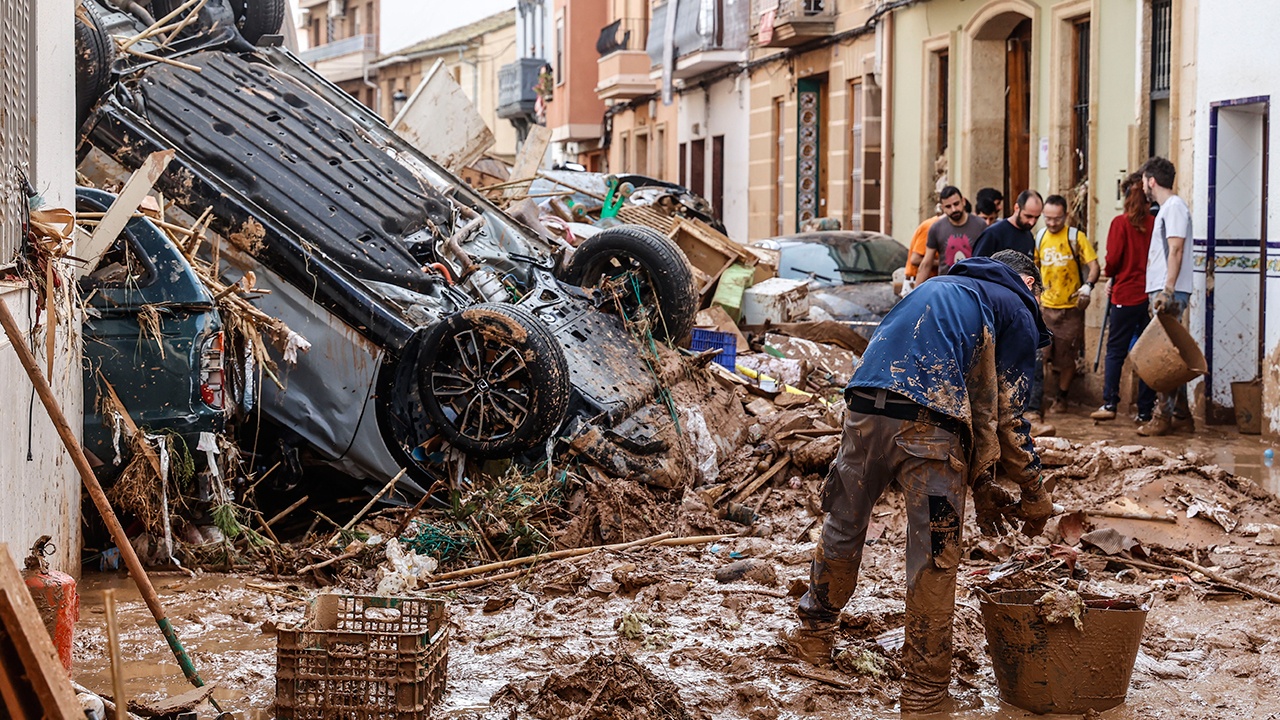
column 1127, row 243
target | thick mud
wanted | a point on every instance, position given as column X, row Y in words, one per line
column 627, row 632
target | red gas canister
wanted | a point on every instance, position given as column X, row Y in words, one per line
column 55, row 597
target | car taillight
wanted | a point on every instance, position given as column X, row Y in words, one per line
column 211, row 364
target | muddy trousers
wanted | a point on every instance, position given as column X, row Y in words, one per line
column 925, row 460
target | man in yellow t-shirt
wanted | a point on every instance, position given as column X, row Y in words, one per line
column 1069, row 265
column 915, row 252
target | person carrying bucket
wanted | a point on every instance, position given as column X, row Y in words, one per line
column 1169, row 284
column 936, row 404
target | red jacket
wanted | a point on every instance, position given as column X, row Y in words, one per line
column 1127, row 260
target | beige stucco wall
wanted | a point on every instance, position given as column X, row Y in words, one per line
column 841, row 63
column 1115, row 111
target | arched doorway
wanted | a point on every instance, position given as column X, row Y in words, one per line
column 1000, row 100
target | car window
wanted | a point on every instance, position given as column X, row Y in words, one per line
column 799, row 262
column 875, row 256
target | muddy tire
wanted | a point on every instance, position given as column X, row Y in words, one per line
column 94, row 54
column 254, row 18
column 666, row 280
column 494, row 380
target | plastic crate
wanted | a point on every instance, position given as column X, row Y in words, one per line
column 359, row 656
column 704, row 340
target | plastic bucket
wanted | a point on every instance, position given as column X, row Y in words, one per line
column 1247, row 398
column 1166, row 355
column 1056, row 668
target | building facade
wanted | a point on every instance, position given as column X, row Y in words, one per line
column 341, row 40
column 817, row 83
column 1230, row 183
column 39, row 486
column 473, row 54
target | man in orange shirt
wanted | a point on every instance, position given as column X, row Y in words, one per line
column 916, row 252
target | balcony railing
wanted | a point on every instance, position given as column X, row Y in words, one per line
column 339, row 48
column 701, row 27
column 782, row 23
column 516, row 83
column 623, row 34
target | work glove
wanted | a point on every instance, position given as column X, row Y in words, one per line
column 993, row 505
column 907, row 286
column 1082, row 296
column 1164, row 299
column 1035, row 508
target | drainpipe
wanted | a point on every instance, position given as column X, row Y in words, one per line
column 377, row 91
column 884, row 72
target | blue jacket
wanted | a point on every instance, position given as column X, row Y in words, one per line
column 965, row 345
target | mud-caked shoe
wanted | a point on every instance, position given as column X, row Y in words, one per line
column 811, row 642
column 1156, row 427
column 1106, row 412
column 1186, row 424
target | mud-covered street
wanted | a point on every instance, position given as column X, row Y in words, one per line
column 651, row 632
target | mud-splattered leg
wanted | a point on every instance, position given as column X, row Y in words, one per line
column 933, row 483
column 856, row 480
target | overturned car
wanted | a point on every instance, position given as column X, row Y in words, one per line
column 432, row 315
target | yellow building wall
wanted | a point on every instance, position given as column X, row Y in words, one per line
column 1115, row 109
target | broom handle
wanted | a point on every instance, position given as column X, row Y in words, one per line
column 131, row 561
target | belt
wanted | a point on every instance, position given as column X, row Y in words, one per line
column 886, row 403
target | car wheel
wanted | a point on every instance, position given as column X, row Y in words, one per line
column 94, row 54
column 494, row 380
column 663, row 278
column 254, row 18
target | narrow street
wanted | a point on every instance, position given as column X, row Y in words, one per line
column 631, row 359
column 714, row 645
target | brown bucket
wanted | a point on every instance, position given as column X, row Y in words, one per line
column 1247, row 398
column 1056, row 668
column 1166, row 355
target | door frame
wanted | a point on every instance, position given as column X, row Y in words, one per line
column 1216, row 413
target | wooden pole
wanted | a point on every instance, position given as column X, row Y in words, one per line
column 131, row 561
column 113, row 649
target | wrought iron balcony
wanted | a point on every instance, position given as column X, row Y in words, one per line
column 784, row 23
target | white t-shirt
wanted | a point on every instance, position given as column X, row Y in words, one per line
column 1174, row 220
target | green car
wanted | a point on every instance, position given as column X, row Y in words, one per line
column 152, row 331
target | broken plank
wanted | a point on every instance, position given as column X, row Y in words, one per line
column 172, row 706
column 765, row 477
column 121, row 211
column 529, row 158
column 22, row 624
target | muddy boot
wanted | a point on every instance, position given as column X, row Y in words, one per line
column 1183, row 424
column 1159, row 425
column 948, row 704
column 811, row 641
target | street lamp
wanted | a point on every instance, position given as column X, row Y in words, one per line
column 398, row 99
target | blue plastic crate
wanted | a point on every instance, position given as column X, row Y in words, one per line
column 704, row 340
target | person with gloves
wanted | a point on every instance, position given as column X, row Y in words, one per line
column 1069, row 265
column 936, row 404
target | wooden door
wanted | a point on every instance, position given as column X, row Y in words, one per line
column 717, row 176
column 1017, row 112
